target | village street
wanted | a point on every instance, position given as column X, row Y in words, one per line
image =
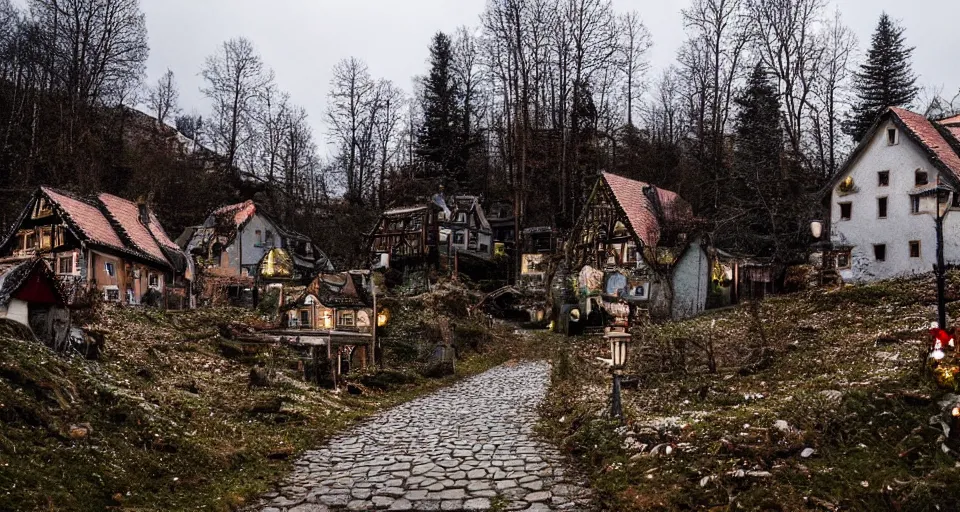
column 466, row 447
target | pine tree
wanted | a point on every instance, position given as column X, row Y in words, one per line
column 440, row 141
column 884, row 80
column 756, row 191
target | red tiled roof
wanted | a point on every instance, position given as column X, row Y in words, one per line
column 160, row 235
column 640, row 212
column 127, row 215
column 927, row 135
column 955, row 120
column 87, row 218
column 241, row 212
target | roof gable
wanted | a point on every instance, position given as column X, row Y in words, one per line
column 87, row 219
column 126, row 215
column 940, row 141
column 640, row 211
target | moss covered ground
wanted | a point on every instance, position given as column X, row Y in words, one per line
column 818, row 400
column 166, row 419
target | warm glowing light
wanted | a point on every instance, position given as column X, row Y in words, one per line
column 956, row 411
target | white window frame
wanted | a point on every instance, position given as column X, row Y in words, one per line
column 111, row 288
column 896, row 136
column 150, row 277
column 106, row 268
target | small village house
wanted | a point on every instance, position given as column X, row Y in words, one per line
column 333, row 301
column 105, row 244
column 634, row 245
column 882, row 203
column 407, row 237
column 31, row 296
column 238, row 240
column 465, row 228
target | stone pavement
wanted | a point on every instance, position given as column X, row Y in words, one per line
column 466, row 447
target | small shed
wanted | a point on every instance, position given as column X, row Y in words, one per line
column 31, row 295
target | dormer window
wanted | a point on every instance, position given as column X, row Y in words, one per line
column 921, row 178
column 893, row 137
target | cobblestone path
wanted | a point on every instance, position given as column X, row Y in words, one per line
column 466, row 447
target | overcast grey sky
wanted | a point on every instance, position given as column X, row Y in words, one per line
column 303, row 39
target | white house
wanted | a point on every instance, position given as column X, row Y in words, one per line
column 883, row 201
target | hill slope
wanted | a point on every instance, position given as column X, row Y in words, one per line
column 817, row 400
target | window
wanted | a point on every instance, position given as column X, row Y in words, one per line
column 914, row 204
column 46, row 238
column 883, row 179
column 65, row 264
column 882, row 207
column 458, row 237
column 920, row 178
column 461, row 218
column 892, row 137
column 111, row 294
column 269, row 239
column 914, row 248
column 843, row 260
column 347, row 319
column 880, row 252
column 846, row 211
column 153, row 280
column 110, row 269
column 259, row 235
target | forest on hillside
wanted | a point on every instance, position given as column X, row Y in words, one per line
column 762, row 103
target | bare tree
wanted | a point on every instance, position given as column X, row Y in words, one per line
column 635, row 43
column 95, row 50
column 162, row 97
column 830, row 93
column 352, row 92
column 784, row 37
column 236, row 77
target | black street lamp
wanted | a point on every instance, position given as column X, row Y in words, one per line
column 942, row 208
column 619, row 344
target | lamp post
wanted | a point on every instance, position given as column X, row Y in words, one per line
column 942, row 208
column 619, row 343
column 816, row 229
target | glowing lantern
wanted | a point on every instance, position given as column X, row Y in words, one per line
column 383, row 317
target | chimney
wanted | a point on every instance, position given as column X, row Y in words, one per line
column 144, row 211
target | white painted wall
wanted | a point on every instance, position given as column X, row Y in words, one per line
column 247, row 241
column 691, row 282
column 865, row 229
column 17, row 311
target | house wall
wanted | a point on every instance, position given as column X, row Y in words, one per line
column 125, row 276
column 865, row 229
column 16, row 311
column 252, row 249
column 691, row 282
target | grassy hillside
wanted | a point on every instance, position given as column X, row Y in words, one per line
column 167, row 418
column 818, row 400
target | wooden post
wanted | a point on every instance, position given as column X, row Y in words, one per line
column 374, row 321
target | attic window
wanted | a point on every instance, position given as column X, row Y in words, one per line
column 893, row 137
column 921, row 178
column 110, row 269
